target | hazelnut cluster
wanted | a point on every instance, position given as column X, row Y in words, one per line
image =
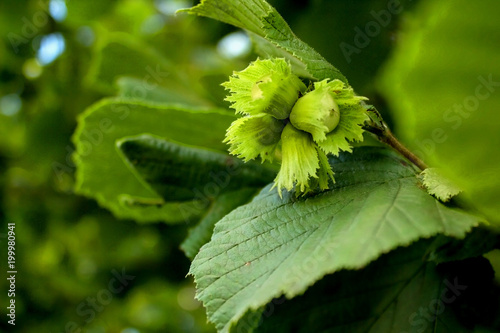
column 282, row 120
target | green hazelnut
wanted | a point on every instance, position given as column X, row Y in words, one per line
column 316, row 113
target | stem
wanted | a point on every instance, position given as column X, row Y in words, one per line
column 378, row 127
column 391, row 140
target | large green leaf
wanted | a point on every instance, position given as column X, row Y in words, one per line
column 135, row 89
column 145, row 73
column 271, row 33
column 444, row 85
column 97, row 159
column 120, row 54
column 225, row 203
column 399, row 293
column 180, row 172
column 275, row 246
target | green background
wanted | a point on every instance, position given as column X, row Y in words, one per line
column 68, row 246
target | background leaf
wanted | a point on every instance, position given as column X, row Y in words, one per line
column 272, row 34
column 134, row 89
column 275, row 246
column 479, row 241
column 444, row 84
column 399, row 293
column 97, row 159
column 120, row 54
column 179, row 172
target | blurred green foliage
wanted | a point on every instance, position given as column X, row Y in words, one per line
column 69, row 248
column 444, row 92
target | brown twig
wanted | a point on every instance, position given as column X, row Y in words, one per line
column 378, row 127
column 391, row 140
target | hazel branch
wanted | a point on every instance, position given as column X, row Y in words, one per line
column 378, row 127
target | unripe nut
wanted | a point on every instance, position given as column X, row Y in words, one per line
column 280, row 94
column 271, row 133
column 266, row 86
column 316, row 113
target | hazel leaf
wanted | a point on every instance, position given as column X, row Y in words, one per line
column 401, row 292
column 110, row 120
column 281, row 246
column 177, row 171
column 225, row 203
column 274, row 36
column 438, row 185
